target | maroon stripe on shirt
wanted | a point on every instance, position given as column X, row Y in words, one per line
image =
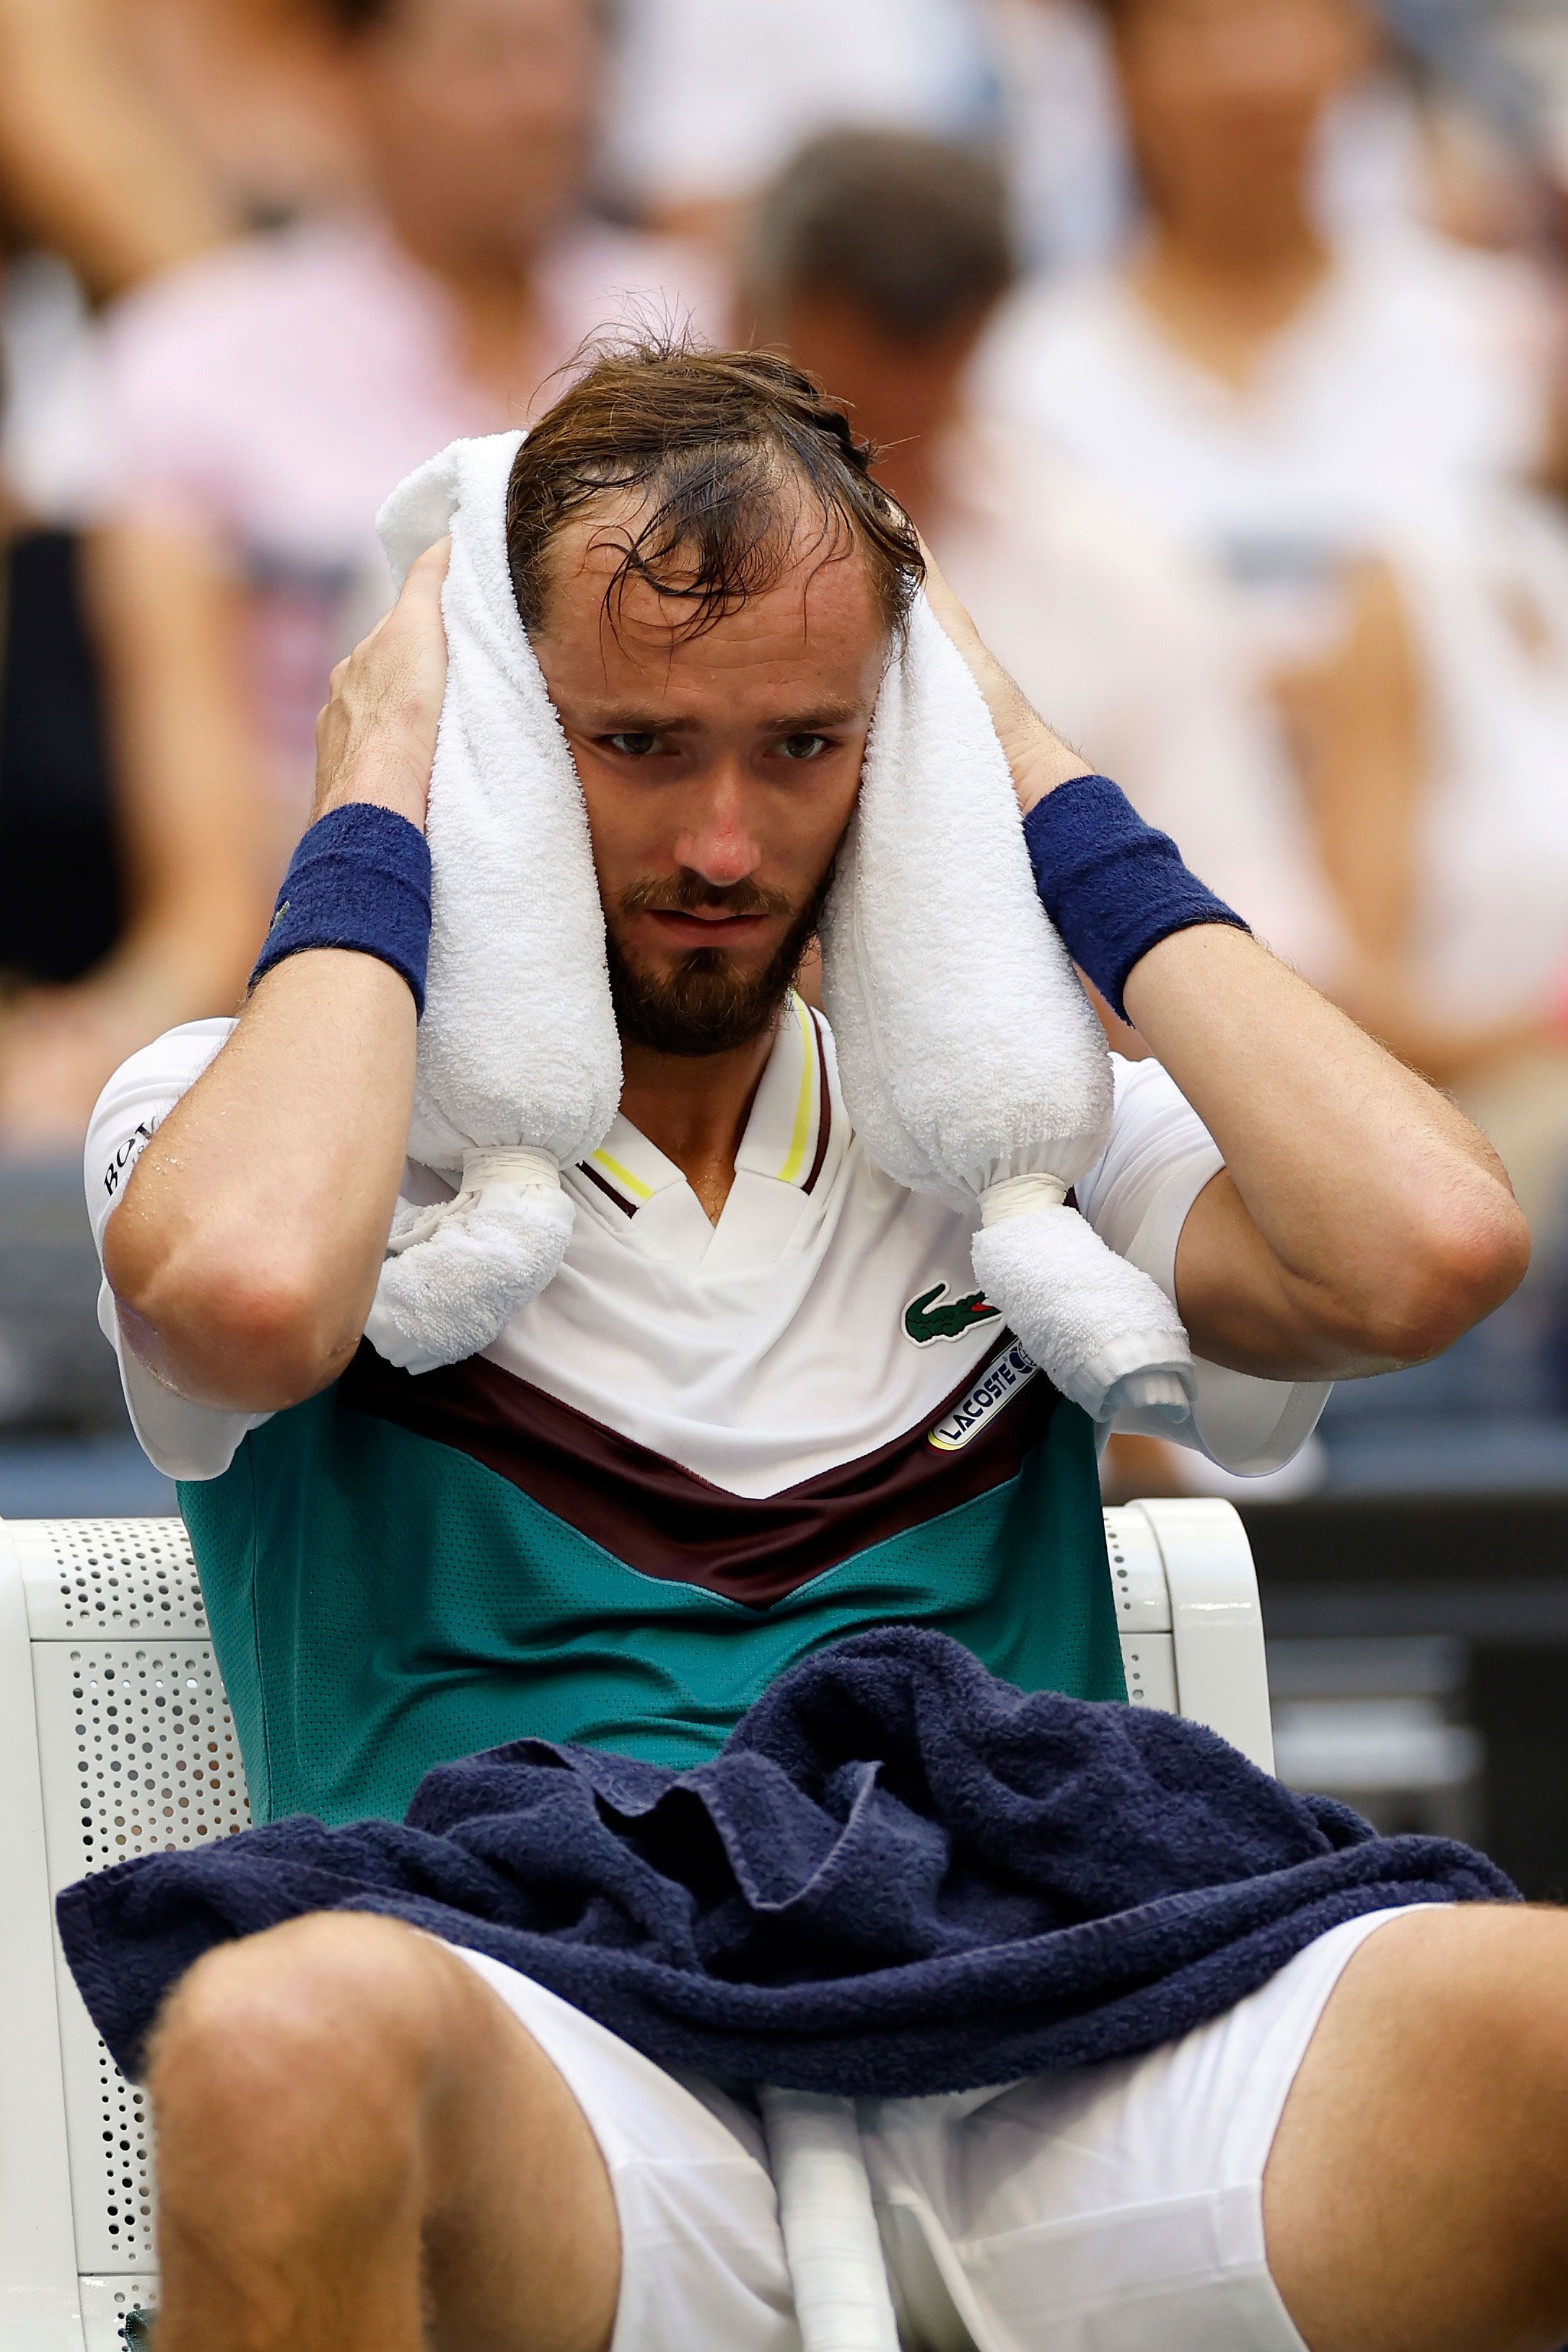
column 824, row 1107
column 608, row 1189
column 663, row 1519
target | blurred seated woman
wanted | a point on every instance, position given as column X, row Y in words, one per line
column 1279, row 392
column 1345, row 423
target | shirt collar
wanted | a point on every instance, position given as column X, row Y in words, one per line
column 796, row 1132
column 628, row 1170
column 791, row 1131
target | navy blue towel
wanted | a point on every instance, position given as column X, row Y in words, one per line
column 900, row 1876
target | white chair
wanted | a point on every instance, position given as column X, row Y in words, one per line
column 116, row 1739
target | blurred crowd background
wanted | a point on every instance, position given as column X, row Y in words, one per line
column 1218, row 347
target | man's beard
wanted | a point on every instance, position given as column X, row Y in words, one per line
column 705, row 1005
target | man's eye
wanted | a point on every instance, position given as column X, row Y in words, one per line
column 638, row 745
column 803, row 747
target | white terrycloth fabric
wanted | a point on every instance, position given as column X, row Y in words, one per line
column 971, row 1063
column 518, row 1070
column 969, row 1054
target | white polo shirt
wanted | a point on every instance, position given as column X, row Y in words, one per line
column 818, row 1320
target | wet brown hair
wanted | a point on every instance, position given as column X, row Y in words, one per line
column 720, row 457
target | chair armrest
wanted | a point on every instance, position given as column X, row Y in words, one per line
column 1216, row 1620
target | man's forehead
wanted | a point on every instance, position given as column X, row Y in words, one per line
column 817, row 570
column 816, row 638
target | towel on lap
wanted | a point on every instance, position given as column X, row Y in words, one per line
column 899, row 1876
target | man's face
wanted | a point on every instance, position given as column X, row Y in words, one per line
column 477, row 116
column 719, row 773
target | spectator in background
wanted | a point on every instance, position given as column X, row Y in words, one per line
column 877, row 258
column 259, row 404
column 124, row 902
column 711, row 96
column 1269, row 394
column 1399, row 146
column 1339, row 423
column 98, row 190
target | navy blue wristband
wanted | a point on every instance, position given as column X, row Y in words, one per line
column 360, row 879
column 1113, row 885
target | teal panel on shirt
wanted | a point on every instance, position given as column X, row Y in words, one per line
column 380, row 1603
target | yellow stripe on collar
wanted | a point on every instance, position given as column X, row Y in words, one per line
column 807, row 1096
column 623, row 1176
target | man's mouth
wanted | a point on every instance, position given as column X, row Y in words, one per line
column 708, row 927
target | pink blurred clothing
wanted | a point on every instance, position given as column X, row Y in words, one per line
column 267, row 397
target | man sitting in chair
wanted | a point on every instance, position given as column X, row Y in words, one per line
column 707, row 1448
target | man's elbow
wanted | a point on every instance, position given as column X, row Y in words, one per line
column 231, row 1327
column 1462, row 1264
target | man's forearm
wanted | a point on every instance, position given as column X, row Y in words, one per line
column 246, row 1251
column 1388, row 1221
column 1361, row 1221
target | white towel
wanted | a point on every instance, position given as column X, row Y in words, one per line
column 971, row 1063
column 518, row 1068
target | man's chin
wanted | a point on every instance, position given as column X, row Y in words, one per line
column 709, row 1001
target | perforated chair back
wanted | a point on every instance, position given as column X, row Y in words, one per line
column 116, row 1739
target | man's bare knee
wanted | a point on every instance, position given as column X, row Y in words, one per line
column 323, row 2031
column 345, row 2111
column 324, row 1985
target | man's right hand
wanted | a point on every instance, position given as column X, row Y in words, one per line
column 375, row 736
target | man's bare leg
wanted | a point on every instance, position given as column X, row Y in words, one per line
column 1417, row 2196
column 359, row 2150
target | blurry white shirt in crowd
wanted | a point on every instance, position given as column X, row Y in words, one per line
column 1487, row 589
column 269, row 396
column 711, row 96
column 1418, row 371
column 1128, row 648
column 1386, row 423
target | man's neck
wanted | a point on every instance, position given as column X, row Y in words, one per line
column 693, row 1109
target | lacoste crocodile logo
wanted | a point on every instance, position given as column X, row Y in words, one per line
column 924, row 1320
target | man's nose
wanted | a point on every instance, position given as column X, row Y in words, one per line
column 717, row 842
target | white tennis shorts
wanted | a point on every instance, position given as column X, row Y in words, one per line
column 1115, row 2209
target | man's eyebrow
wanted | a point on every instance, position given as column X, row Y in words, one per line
column 616, row 718
column 810, row 722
